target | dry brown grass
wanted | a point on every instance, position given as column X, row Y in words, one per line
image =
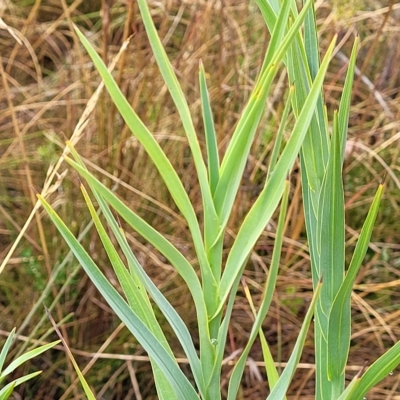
column 46, row 82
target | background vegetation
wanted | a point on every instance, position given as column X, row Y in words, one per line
column 47, row 80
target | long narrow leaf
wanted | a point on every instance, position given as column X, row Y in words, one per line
column 5, row 349
column 236, row 376
column 27, row 356
column 378, row 371
column 8, row 389
column 210, row 218
column 6, row 392
column 331, row 224
column 180, row 383
column 176, row 258
column 331, row 231
column 160, row 160
column 344, row 107
column 173, row 255
column 348, row 394
column 136, row 293
column 279, row 136
column 137, row 299
column 236, row 155
column 265, row 205
column 279, row 391
column 209, row 130
column 340, row 316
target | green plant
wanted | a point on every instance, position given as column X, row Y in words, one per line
column 7, row 390
column 321, row 156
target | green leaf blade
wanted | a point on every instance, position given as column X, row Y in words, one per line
column 265, row 205
column 280, row 389
column 339, row 331
column 166, row 363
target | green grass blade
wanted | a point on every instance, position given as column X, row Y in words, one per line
column 223, row 331
column 4, row 350
column 141, row 278
column 331, row 225
column 311, row 42
column 7, row 390
column 177, row 95
column 316, row 144
column 264, row 206
column 311, row 47
column 153, row 149
column 351, row 387
column 269, row 12
column 211, row 222
column 234, row 161
column 176, row 258
column 236, row 156
column 340, row 316
column 303, row 56
column 278, row 33
column 310, row 222
column 220, row 342
column 213, row 247
column 279, row 390
column 378, row 371
column 344, row 107
column 331, row 248
column 183, row 389
column 279, row 136
column 27, row 356
column 134, row 285
column 237, row 373
column 209, row 129
column 166, row 170
column 181, row 264
column 272, row 372
column 137, row 299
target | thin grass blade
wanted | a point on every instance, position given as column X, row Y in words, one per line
column 137, row 299
column 173, row 255
column 378, row 371
column 209, row 130
column 177, row 95
column 339, row 330
column 279, row 136
column 281, row 387
column 344, row 107
column 237, row 373
column 277, row 33
column 181, row 264
column 351, row 387
column 316, row 146
column 331, row 225
column 141, row 278
column 183, row 389
column 234, row 161
column 5, row 349
column 265, row 205
column 160, row 160
column 134, row 285
column 8, row 389
column 331, row 249
column 27, row 356
column 211, row 221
